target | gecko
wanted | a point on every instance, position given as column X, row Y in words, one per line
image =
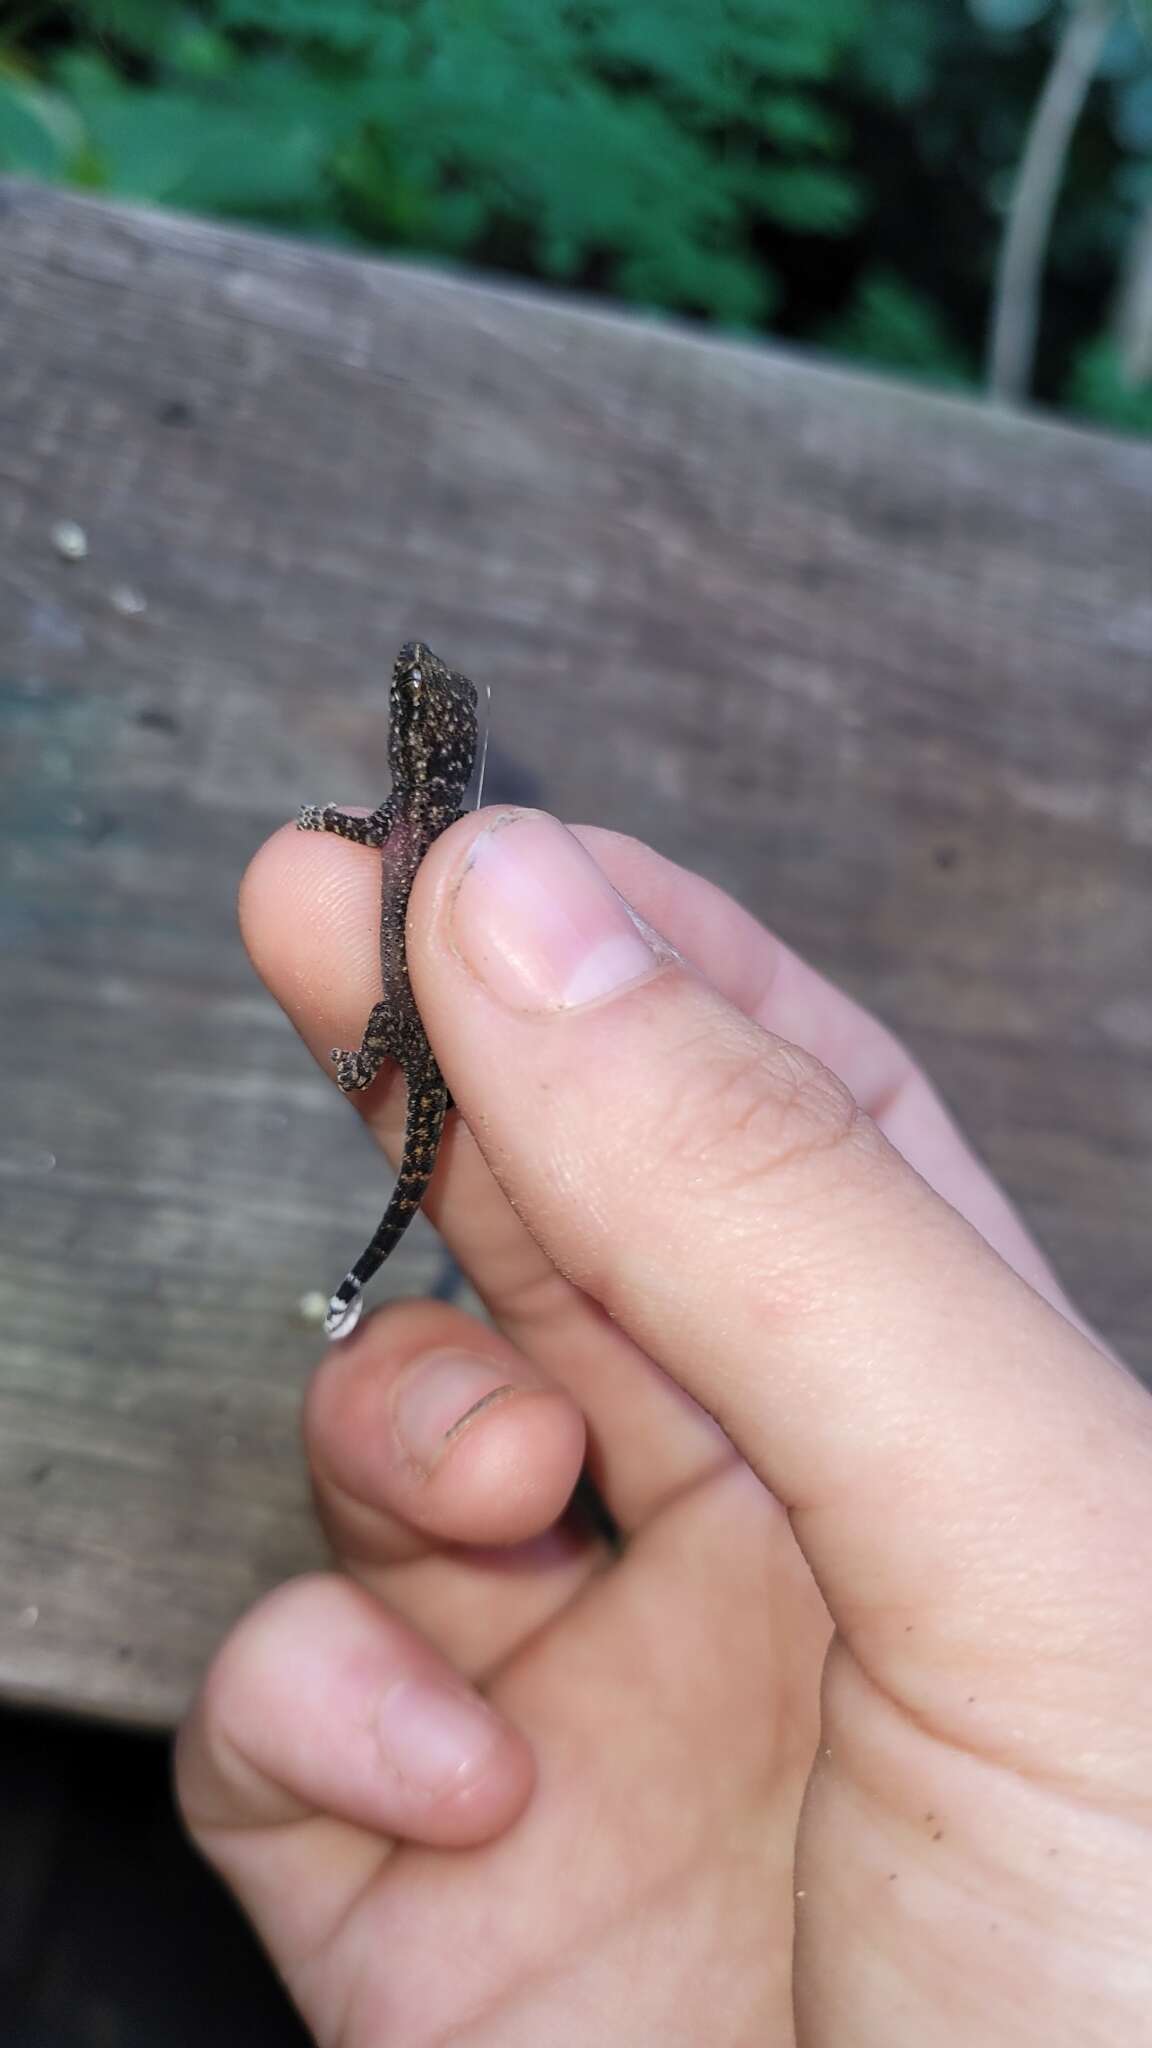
column 432, row 745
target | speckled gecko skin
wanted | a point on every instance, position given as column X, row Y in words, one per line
column 432, row 743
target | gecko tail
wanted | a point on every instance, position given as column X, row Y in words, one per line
column 427, row 1108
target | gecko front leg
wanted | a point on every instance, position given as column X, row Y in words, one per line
column 372, row 830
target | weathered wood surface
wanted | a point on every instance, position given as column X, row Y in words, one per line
column 878, row 662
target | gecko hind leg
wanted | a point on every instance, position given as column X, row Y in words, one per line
column 357, row 1070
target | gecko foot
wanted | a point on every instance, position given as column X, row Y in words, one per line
column 313, row 817
column 353, row 1071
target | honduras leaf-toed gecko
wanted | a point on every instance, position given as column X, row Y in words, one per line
column 432, row 751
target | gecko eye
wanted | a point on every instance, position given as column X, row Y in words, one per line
column 416, row 678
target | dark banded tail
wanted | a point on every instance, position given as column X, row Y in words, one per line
column 427, row 1108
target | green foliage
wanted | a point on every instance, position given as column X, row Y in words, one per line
column 1009, row 14
column 1098, row 390
column 837, row 169
column 222, row 152
column 643, row 147
column 39, row 132
column 894, row 327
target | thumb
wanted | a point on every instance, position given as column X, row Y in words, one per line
column 717, row 1189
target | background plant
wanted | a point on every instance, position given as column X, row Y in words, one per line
column 834, row 171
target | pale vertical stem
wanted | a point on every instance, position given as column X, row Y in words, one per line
column 1016, row 303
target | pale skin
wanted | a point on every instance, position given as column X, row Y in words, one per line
column 849, row 1745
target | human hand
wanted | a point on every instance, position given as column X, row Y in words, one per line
column 872, row 1666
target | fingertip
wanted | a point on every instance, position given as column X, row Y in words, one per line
column 309, row 914
column 428, row 1423
column 264, row 883
column 321, row 1701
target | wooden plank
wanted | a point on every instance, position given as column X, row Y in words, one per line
column 875, row 660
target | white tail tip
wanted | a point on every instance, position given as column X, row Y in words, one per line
column 343, row 1316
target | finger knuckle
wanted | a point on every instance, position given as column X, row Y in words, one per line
column 762, row 1109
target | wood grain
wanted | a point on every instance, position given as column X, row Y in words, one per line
column 875, row 660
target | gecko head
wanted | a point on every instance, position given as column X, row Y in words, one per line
column 433, row 720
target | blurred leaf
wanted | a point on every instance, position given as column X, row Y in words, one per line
column 1132, row 112
column 808, row 198
column 175, row 146
column 796, row 121
column 144, row 26
column 894, row 327
column 898, row 65
column 38, row 131
column 1134, row 184
column 199, row 53
column 1009, row 15
column 1096, row 389
column 341, row 24
column 734, row 292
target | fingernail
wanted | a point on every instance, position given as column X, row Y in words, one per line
column 438, row 1396
column 538, row 922
column 433, row 1737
